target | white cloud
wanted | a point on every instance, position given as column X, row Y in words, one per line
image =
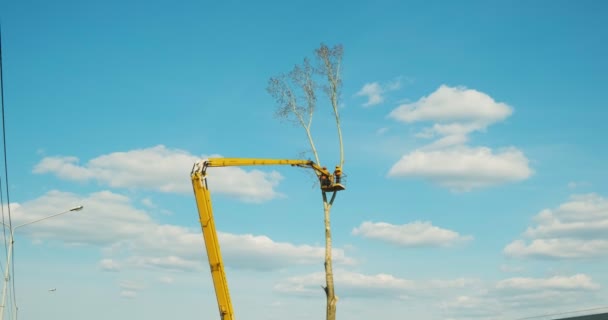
column 131, row 238
column 382, row 131
column 578, row 184
column 169, row 262
column 454, row 105
column 374, row 91
column 166, row 280
column 109, row 265
column 576, row 229
column 261, row 252
column 131, row 285
column 106, row 218
column 521, row 297
column 557, row 248
column 415, row 234
column 350, row 283
column 129, row 289
column 354, row 284
column 464, row 168
column 455, row 113
column 575, row 282
column 471, row 307
column 148, row 203
column 162, row 169
column 459, row 298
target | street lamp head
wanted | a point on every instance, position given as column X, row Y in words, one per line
column 77, row 208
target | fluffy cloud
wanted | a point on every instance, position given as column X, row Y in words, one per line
column 169, row 262
column 161, row 169
column 522, row 296
column 354, row 284
column 567, row 248
column 131, row 285
column 464, row 168
column 166, row 280
column 374, row 92
column 459, row 298
column 415, row 234
column 455, row 113
column 129, row 289
column 575, row 282
column 261, row 252
column 109, row 265
column 467, row 108
column 576, row 229
column 382, row 131
column 471, row 307
column 131, row 238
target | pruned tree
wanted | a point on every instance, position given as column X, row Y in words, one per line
column 296, row 97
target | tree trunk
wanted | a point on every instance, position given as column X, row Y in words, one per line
column 329, row 275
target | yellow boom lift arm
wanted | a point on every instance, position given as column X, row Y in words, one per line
column 330, row 182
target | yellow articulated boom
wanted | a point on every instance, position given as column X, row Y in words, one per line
column 329, row 183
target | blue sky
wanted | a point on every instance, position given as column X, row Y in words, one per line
column 474, row 152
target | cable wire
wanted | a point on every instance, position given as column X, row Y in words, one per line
column 2, row 104
column 8, row 201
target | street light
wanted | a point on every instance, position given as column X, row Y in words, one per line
column 10, row 252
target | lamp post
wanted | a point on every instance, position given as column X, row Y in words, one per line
column 10, row 253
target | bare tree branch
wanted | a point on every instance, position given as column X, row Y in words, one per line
column 330, row 61
column 297, row 85
column 281, row 89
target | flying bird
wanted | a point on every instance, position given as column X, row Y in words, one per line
column 54, row 289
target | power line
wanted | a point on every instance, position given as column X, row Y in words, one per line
column 2, row 103
column 1, row 189
column 8, row 199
